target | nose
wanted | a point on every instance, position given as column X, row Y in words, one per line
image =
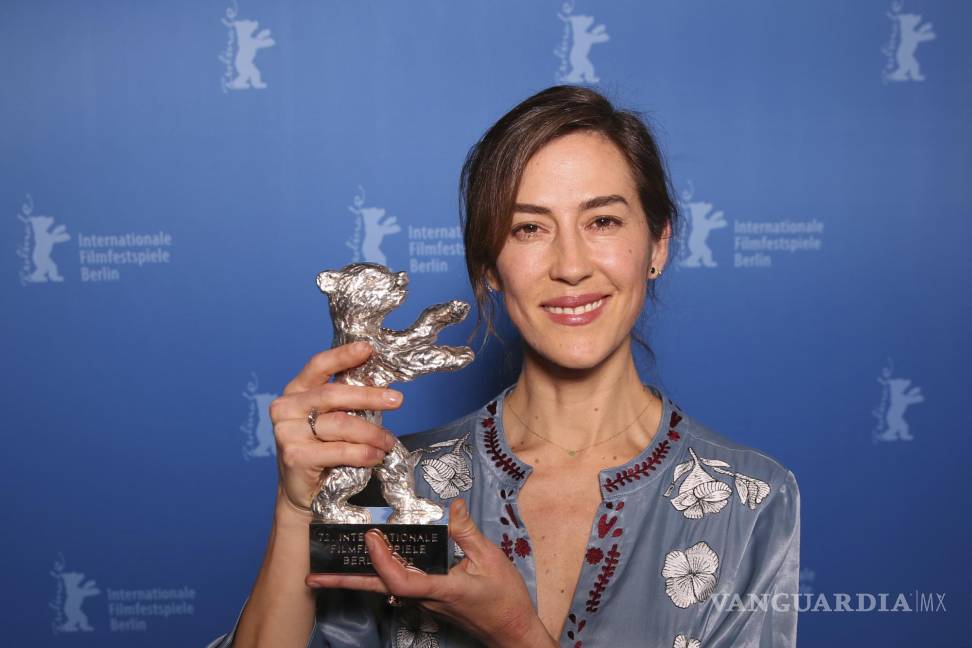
column 571, row 261
column 402, row 279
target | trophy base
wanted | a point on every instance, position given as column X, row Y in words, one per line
column 340, row 548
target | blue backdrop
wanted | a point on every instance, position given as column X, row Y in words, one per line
column 175, row 174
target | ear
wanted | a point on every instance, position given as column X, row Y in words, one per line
column 327, row 281
column 659, row 251
column 493, row 280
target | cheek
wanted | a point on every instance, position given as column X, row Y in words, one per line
column 626, row 263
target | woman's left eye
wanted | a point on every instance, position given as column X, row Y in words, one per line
column 606, row 222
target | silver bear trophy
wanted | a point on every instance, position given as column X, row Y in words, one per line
column 361, row 295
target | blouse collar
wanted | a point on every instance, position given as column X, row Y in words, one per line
column 615, row 482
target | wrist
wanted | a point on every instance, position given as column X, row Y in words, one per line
column 287, row 514
column 528, row 631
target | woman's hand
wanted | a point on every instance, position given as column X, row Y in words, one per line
column 484, row 593
column 342, row 440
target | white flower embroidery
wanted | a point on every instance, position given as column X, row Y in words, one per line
column 448, row 474
column 751, row 490
column 690, row 574
column 701, row 493
column 682, row 642
column 417, row 630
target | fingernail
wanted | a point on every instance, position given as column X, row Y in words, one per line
column 390, row 440
column 460, row 507
column 361, row 345
column 392, row 397
column 378, row 533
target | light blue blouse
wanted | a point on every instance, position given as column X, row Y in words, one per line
column 696, row 543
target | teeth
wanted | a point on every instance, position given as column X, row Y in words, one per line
column 586, row 308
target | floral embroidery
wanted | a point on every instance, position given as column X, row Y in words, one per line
column 603, row 579
column 574, row 633
column 593, row 555
column 417, row 630
column 450, row 473
column 700, row 493
column 751, row 491
column 507, row 546
column 690, row 574
column 682, row 642
column 605, row 527
column 499, row 458
column 658, row 454
column 520, row 546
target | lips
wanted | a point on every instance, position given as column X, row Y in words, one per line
column 573, row 301
column 576, row 310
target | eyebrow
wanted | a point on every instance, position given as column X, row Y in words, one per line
column 591, row 203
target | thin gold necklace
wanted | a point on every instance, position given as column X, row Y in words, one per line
column 573, row 452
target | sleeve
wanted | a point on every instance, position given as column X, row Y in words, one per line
column 759, row 608
column 345, row 619
column 316, row 640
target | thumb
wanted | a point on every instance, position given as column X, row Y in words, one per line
column 464, row 531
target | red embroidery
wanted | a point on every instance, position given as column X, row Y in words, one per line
column 491, row 408
column 500, row 459
column 507, row 546
column 655, row 459
column 608, row 527
column 644, row 468
column 594, row 556
column 522, row 547
column 603, row 579
column 574, row 633
column 604, row 525
column 513, row 519
column 676, row 418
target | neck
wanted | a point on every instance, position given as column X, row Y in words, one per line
column 593, row 411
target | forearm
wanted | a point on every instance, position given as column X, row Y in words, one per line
column 280, row 610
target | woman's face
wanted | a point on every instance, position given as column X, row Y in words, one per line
column 575, row 263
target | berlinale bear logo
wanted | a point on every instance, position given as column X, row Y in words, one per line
column 39, row 239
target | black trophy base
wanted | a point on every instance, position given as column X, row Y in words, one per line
column 341, row 548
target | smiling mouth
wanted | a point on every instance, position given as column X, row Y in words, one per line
column 577, row 310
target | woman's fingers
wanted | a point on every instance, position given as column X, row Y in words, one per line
column 393, row 575
column 323, row 365
column 346, row 581
column 398, row 576
column 318, row 456
column 464, row 531
column 335, row 426
column 333, row 397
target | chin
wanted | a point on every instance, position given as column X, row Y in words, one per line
column 576, row 359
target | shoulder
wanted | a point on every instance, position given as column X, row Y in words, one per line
column 761, row 481
column 744, row 459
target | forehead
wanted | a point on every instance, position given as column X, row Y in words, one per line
column 573, row 165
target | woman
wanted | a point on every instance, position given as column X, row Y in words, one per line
column 591, row 509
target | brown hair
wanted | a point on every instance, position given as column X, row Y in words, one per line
column 491, row 175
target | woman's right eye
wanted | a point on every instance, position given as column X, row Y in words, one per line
column 526, row 230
